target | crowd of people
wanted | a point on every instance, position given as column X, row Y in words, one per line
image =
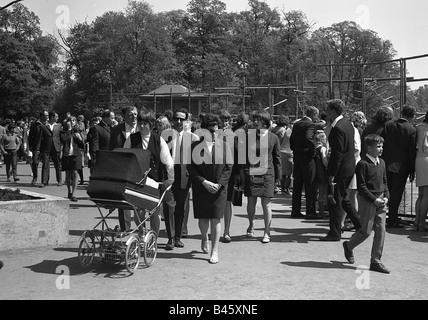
column 350, row 168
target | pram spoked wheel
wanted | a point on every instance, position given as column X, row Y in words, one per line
column 150, row 247
column 86, row 252
column 132, row 254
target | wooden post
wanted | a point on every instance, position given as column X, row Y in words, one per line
column 363, row 89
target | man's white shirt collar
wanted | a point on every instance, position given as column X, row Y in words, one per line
column 336, row 121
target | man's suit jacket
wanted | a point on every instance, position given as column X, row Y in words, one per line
column 302, row 139
column 342, row 159
column 35, row 136
column 51, row 139
column 99, row 138
column 399, row 150
column 118, row 136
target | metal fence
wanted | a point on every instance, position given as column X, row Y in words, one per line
column 407, row 206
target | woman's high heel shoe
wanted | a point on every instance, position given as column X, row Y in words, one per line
column 205, row 247
column 214, row 257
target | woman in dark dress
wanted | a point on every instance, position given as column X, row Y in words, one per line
column 71, row 161
column 263, row 171
column 210, row 172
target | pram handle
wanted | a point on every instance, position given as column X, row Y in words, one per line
column 144, row 176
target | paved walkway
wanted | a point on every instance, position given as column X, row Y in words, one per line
column 295, row 265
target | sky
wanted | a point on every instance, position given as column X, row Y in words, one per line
column 404, row 23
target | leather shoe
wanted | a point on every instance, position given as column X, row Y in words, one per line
column 349, row 255
column 395, row 225
column 297, row 215
column 329, row 238
column 312, row 217
column 170, row 245
column 379, row 267
column 178, row 243
column 42, row 185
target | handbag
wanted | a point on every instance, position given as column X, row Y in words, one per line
column 237, row 194
column 257, row 180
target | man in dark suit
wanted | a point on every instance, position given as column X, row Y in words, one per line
column 179, row 143
column 304, row 168
column 50, row 148
column 120, row 133
column 99, row 136
column 120, row 138
column 399, row 155
column 34, row 143
column 341, row 168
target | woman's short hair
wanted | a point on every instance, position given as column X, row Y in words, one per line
column 383, row 114
column 241, row 120
column 148, row 117
column 282, row 120
column 264, row 117
column 359, row 120
column 210, row 120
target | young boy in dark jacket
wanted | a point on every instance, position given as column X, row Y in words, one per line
column 373, row 195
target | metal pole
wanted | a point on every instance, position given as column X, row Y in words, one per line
column 170, row 91
column 404, row 82
column 111, row 95
column 243, row 94
column 401, row 87
column 188, row 87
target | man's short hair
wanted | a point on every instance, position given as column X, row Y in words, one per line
column 408, row 111
column 106, row 113
column 125, row 109
column 337, row 105
column 182, row 111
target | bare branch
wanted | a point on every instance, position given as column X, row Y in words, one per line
column 9, row 4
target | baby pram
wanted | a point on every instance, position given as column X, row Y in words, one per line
column 120, row 180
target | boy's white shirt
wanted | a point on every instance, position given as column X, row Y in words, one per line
column 373, row 159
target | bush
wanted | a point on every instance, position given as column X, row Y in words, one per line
column 11, row 195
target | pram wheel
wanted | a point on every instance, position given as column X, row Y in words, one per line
column 150, row 247
column 86, row 252
column 132, row 254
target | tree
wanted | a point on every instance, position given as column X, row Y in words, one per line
column 125, row 53
column 28, row 64
column 347, row 44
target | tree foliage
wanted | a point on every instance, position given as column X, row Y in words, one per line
column 28, row 64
